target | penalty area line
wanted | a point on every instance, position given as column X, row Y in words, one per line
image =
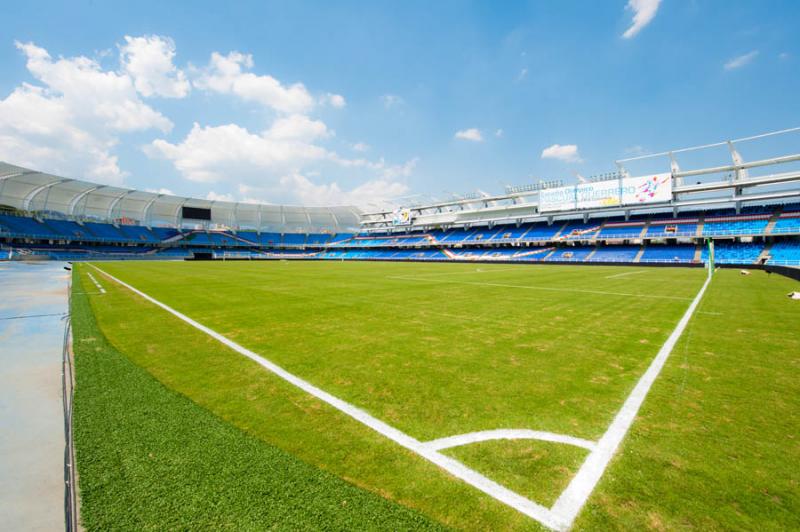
column 500, row 493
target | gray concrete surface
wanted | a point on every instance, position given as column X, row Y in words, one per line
column 33, row 302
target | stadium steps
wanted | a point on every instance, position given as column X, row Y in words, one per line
column 645, row 227
column 547, row 257
column 588, row 257
column 764, row 255
column 700, row 224
column 558, row 233
column 772, row 220
column 600, row 230
column 175, row 238
column 639, row 253
column 698, row 252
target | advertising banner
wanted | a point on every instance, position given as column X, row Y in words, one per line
column 557, row 199
column 655, row 188
column 401, row 217
column 596, row 195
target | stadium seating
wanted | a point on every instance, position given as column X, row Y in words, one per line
column 666, row 253
column 734, row 253
column 75, row 239
column 614, row 254
column 621, row 231
column 733, row 227
column 785, row 253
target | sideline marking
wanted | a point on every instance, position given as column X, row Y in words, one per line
column 573, row 498
column 529, row 287
column 102, row 290
column 452, row 466
column 508, row 434
column 563, row 513
column 624, row 274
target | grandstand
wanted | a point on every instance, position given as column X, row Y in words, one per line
column 747, row 215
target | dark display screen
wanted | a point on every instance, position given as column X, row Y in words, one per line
column 194, row 213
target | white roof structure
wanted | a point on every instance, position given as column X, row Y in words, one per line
column 30, row 190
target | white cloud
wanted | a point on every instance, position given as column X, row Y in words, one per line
column 472, row 134
column 643, row 13
column 360, row 146
column 783, row 56
column 334, row 100
column 262, row 161
column 148, row 60
column 162, row 190
column 522, row 74
column 311, row 194
column 499, row 133
column 213, row 196
column 740, row 61
column 391, row 100
column 226, row 74
column 567, row 153
column 210, row 154
column 71, row 122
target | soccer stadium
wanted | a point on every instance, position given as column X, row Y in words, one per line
column 610, row 352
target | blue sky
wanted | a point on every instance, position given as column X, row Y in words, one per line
column 340, row 102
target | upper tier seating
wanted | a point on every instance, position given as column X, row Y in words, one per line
column 105, row 231
column 69, row 229
column 138, row 233
column 624, row 231
column 25, row 226
column 293, row 239
column 580, row 230
column 731, row 227
column 671, row 228
column 787, row 223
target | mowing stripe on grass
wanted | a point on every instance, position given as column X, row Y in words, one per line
column 573, row 498
column 508, row 434
column 529, row 287
column 452, row 466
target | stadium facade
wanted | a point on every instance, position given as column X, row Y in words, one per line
column 750, row 209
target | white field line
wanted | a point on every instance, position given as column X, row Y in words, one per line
column 529, row 287
column 508, row 434
column 454, row 467
column 573, row 498
column 624, row 274
column 102, row 290
column 479, row 270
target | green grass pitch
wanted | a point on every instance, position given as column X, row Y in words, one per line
column 438, row 350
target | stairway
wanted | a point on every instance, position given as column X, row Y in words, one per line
column 591, row 253
column 556, row 235
column 700, row 225
column 764, row 253
column 644, row 229
column 639, row 254
column 698, row 253
column 772, row 220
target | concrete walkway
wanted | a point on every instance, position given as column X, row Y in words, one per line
column 33, row 301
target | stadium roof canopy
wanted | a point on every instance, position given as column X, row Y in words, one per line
column 33, row 191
